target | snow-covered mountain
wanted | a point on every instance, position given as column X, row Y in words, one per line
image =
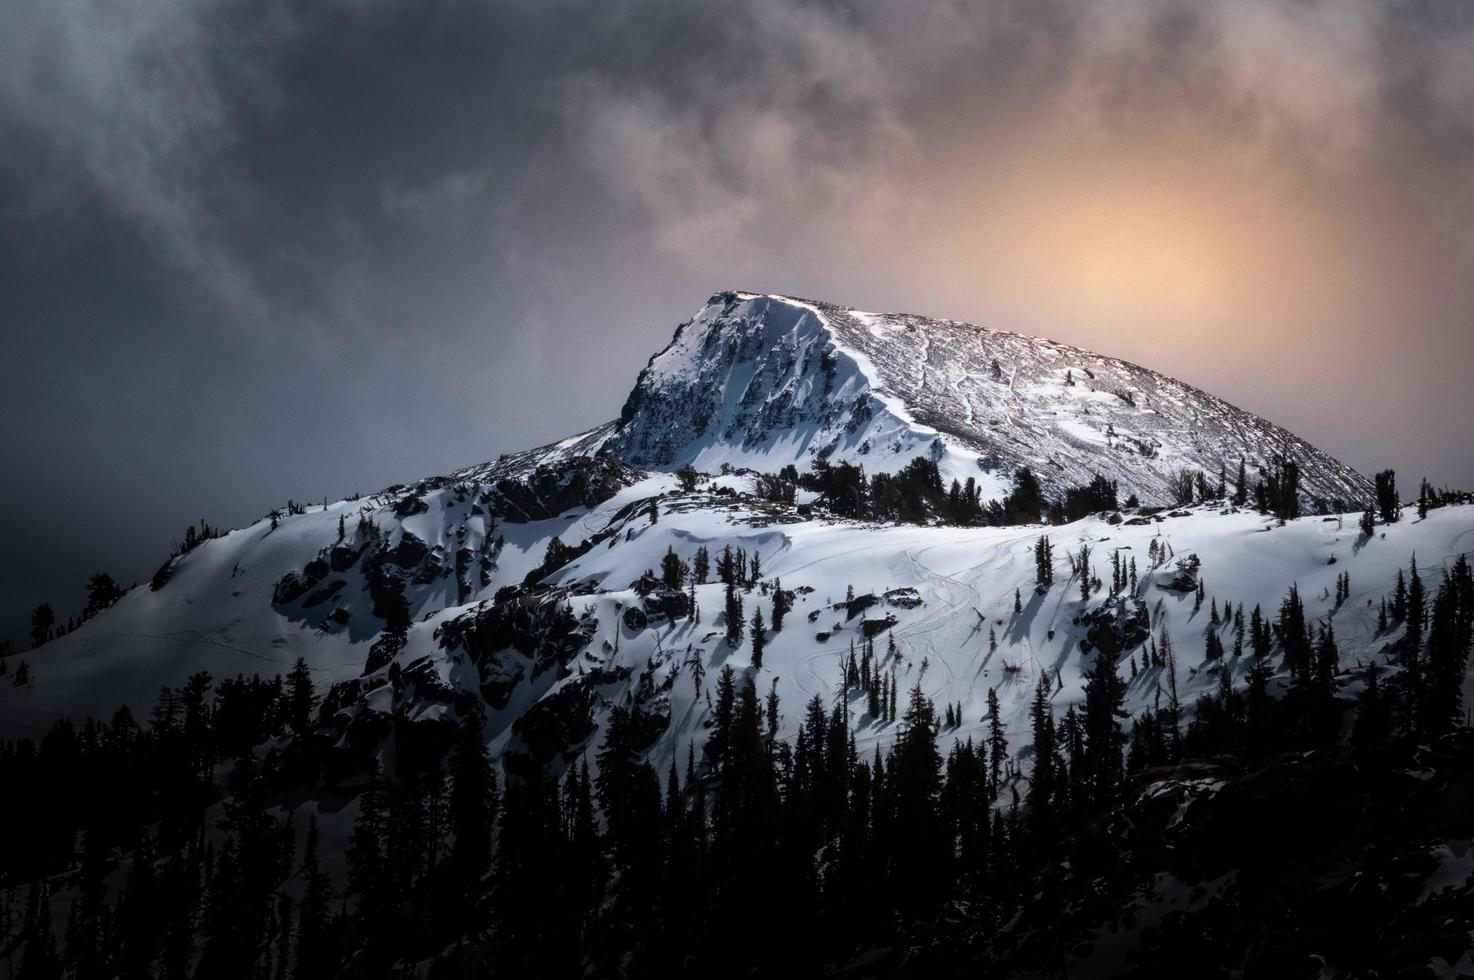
column 758, row 380
column 550, row 640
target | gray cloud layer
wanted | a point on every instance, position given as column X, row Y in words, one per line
column 253, row 250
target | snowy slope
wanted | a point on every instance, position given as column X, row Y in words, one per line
column 219, row 610
column 761, row 381
column 960, row 575
column 755, row 381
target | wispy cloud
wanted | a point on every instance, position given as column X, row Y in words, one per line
column 441, row 199
column 132, row 106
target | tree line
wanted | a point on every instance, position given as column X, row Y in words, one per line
column 816, row 847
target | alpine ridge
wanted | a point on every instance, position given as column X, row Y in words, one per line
column 751, row 383
column 710, row 585
column 764, row 380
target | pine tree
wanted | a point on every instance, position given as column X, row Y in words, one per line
column 1416, row 609
column 1450, row 633
column 1174, row 707
column 102, row 592
column 1104, row 696
column 1041, row 786
column 299, row 697
column 719, row 741
column 1043, row 565
column 773, row 717
column 42, row 620
column 1327, row 660
column 473, row 801
column 921, row 849
column 672, row 569
column 782, row 602
column 1286, row 484
column 1387, row 502
column 735, row 623
column 1259, row 636
column 1083, row 563
column 997, row 743
column 759, row 638
column 1294, row 635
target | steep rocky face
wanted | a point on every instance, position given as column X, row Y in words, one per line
column 552, row 488
column 518, row 465
column 768, row 380
column 760, row 381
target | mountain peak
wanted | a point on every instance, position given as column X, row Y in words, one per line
column 766, row 380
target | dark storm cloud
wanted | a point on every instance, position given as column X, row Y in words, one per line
column 253, row 251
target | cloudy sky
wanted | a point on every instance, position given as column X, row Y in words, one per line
column 252, row 250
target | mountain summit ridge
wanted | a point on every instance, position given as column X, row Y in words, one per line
column 754, row 382
column 764, row 380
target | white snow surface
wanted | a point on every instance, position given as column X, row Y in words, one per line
column 761, row 381
column 217, row 614
column 765, row 380
column 960, row 573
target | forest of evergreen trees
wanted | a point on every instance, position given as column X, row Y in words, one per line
column 758, row 855
column 916, row 494
column 177, row 845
